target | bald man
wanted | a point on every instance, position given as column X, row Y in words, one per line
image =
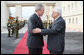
column 56, row 33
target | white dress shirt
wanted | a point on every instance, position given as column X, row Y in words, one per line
column 56, row 18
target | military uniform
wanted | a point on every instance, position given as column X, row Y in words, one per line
column 12, row 27
column 9, row 29
column 16, row 28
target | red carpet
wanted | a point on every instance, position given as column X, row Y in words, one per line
column 21, row 48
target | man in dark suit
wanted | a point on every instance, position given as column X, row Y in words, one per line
column 35, row 41
column 56, row 33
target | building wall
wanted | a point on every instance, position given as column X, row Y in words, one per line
column 72, row 12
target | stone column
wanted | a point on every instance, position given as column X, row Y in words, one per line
column 19, row 11
column 4, row 15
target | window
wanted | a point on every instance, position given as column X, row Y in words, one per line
column 76, row 20
column 68, row 7
column 72, row 5
column 73, row 20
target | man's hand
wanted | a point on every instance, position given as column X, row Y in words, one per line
column 36, row 30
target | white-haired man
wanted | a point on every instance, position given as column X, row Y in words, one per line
column 56, row 33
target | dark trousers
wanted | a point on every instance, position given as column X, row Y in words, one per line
column 35, row 50
column 9, row 33
column 55, row 52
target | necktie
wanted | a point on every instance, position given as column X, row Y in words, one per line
column 40, row 19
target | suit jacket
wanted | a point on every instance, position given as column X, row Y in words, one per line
column 34, row 40
column 56, row 34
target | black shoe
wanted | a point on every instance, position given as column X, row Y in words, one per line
column 8, row 36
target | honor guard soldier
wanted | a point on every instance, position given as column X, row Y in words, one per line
column 9, row 28
column 16, row 27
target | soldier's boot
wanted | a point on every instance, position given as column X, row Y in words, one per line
column 12, row 31
column 9, row 33
column 16, row 34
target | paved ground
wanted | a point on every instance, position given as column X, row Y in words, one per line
column 73, row 43
column 9, row 44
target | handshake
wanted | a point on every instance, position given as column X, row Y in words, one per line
column 36, row 30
